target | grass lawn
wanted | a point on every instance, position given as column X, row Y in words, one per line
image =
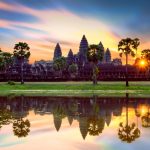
column 76, row 88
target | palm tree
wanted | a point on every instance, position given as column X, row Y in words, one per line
column 128, row 47
column 128, row 132
column 94, row 55
column 21, row 52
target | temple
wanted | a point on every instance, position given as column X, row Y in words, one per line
column 110, row 69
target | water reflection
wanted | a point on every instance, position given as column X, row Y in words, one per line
column 128, row 132
column 93, row 114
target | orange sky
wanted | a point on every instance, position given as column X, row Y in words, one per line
column 56, row 25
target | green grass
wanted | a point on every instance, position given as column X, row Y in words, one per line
column 76, row 88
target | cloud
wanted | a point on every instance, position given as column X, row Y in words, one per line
column 42, row 28
column 15, row 16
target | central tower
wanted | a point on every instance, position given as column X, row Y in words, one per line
column 83, row 50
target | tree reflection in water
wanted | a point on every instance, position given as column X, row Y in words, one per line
column 95, row 122
column 21, row 128
column 91, row 113
column 5, row 117
column 128, row 133
column 96, row 126
column 146, row 119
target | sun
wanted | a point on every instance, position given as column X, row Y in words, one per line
column 142, row 63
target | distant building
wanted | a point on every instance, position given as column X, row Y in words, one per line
column 57, row 52
column 83, row 50
column 107, row 56
column 117, row 62
column 102, row 50
column 70, row 57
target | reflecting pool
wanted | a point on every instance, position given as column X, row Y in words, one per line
column 74, row 123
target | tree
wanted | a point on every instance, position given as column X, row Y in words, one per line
column 146, row 119
column 21, row 52
column 73, row 70
column 128, row 132
column 60, row 64
column 5, row 60
column 21, row 127
column 94, row 55
column 128, row 47
column 5, row 117
column 145, row 54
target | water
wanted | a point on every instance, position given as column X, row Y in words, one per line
column 74, row 123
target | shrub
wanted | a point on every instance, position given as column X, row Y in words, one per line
column 11, row 82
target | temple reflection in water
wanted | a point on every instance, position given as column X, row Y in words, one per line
column 93, row 114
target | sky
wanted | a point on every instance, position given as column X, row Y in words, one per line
column 44, row 23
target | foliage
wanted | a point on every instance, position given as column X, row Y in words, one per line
column 21, row 50
column 73, row 69
column 128, row 46
column 5, row 117
column 96, row 125
column 94, row 54
column 21, row 128
column 145, row 54
column 146, row 120
column 128, row 133
column 5, row 59
column 11, row 82
column 59, row 64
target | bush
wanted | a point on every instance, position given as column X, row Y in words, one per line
column 11, row 82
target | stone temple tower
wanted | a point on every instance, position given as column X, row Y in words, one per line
column 107, row 56
column 57, row 52
column 102, row 49
column 83, row 50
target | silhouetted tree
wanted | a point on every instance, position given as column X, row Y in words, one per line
column 5, row 60
column 94, row 55
column 128, row 47
column 145, row 54
column 60, row 64
column 73, row 70
column 21, row 52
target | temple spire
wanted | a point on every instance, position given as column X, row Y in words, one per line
column 107, row 56
column 70, row 58
column 57, row 51
column 83, row 50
